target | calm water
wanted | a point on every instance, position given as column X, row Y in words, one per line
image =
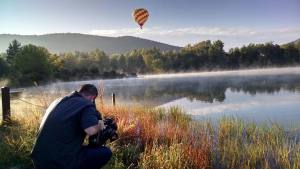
column 259, row 95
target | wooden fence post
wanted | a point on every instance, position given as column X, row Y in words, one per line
column 113, row 99
column 5, row 104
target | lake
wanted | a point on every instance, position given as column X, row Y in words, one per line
column 259, row 95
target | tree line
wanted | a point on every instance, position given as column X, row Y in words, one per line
column 24, row 65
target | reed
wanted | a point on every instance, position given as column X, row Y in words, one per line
column 164, row 138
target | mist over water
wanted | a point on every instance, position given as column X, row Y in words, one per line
column 258, row 95
column 249, row 72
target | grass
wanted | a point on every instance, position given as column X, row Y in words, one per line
column 164, row 138
column 4, row 82
column 245, row 145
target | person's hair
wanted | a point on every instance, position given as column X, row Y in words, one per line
column 88, row 90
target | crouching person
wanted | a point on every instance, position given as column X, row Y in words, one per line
column 63, row 129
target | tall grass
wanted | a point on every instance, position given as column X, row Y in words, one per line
column 246, row 145
column 165, row 138
column 17, row 139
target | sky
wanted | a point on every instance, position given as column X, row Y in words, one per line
column 176, row 22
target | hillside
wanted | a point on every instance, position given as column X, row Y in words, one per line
column 296, row 43
column 66, row 42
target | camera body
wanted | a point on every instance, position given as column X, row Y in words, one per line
column 109, row 133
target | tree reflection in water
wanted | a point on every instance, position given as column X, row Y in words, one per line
column 206, row 89
column 209, row 89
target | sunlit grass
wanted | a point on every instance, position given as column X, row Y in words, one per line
column 17, row 139
column 163, row 138
column 4, row 82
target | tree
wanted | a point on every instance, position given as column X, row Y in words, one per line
column 85, row 66
column 57, row 66
column 249, row 55
column 13, row 49
column 31, row 64
column 170, row 60
column 291, row 54
column 100, row 59
column 217, row 54
column 135, row 62
column 3, row 67
column 233, row 58
column 114, row 62
column 153, row 60
column 122, row 63
column 69, row 65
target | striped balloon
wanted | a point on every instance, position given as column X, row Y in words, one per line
column 140, row 16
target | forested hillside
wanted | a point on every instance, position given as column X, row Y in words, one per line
column 26, row 64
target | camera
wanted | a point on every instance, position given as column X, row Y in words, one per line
column 109, row 133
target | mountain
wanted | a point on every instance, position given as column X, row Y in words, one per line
column 69, row 42
column 296, row 43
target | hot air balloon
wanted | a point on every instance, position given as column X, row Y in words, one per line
column 140, row 16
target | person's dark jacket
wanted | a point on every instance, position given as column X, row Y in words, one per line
column 61, row 134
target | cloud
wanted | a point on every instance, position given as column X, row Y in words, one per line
column 239, row 103
column 233, row 107
column 231, row 36
column 203, row 31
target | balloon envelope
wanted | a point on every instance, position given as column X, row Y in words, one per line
column 140, row 16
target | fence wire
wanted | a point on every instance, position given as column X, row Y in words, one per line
column 25, row 101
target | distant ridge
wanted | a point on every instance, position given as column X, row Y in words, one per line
column 69, row 42
column 296, row 43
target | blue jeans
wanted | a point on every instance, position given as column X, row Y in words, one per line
column 94, row 158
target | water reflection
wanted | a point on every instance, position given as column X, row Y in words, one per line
column 210, row 89
column 260, row 95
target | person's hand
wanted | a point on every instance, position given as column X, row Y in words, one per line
column 101, row 125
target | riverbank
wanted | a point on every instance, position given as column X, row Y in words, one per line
column 164, row 138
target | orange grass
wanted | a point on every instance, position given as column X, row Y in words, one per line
column 165, row 138
column 152, row 131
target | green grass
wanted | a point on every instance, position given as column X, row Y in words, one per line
column 165, row 138
column 16, row 142
column 246, row 145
